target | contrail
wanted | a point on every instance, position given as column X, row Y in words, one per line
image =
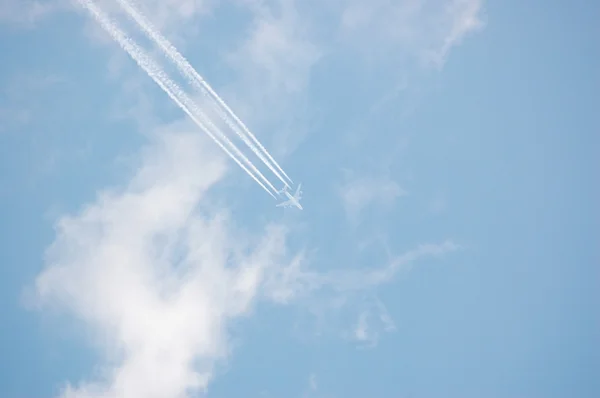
column 160, row 78
column 200, row 84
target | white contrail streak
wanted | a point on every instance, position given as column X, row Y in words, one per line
column 160, row 78
column 200, row 84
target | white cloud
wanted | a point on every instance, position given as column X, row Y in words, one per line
column 12, row 118
column 360, row 192
column 346, row 298
column 171, row 13
column 26, row 13
column 361, row 280
column 373, row 319
column 157, row 274
column 360, row 333
column 276, row 52
column 312, row 387
column 23, row 85
column 312, row 382
column 154, row 276
column 273, row 63
column 425, row 29
column 461, row 18
column 21, row 93
column 178, row 19
column 438, row 205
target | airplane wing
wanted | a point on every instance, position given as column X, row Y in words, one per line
column 298, row 191
column 284, row 204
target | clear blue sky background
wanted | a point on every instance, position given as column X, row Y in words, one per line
column 494, row 150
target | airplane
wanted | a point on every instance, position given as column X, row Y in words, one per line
column 293, row 200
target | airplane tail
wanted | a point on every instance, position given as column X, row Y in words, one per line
column 285, row 188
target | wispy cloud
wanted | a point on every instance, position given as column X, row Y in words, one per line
column 373, row 320
column 425, row 29
column 26, row 84
column 461, row 18
column 20, row 97
column 275, row 59
column 171, row 14
column 312, row 387
column 155, row 277
column 361, row 280
column 273, row 55
column 346, row 299
column 358, row 193
column 438, row 205
column 157, row 274
column 26, row 13
column 333, row 297
column 312, row 382
column 13, row 118
column 273, row 63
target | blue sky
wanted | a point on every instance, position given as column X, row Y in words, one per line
column 448, row 246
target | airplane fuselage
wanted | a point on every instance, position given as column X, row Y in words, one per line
column 294, row 201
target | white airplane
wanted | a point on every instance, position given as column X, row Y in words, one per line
column 293, row 200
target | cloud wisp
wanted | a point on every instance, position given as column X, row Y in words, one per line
column 371, row 319
column 26, row 13
column 426, row 29
column 154, row 278
column 360, row 192
column 157, row 276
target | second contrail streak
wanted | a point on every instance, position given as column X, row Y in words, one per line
column 200, row 84
column 159, row 77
